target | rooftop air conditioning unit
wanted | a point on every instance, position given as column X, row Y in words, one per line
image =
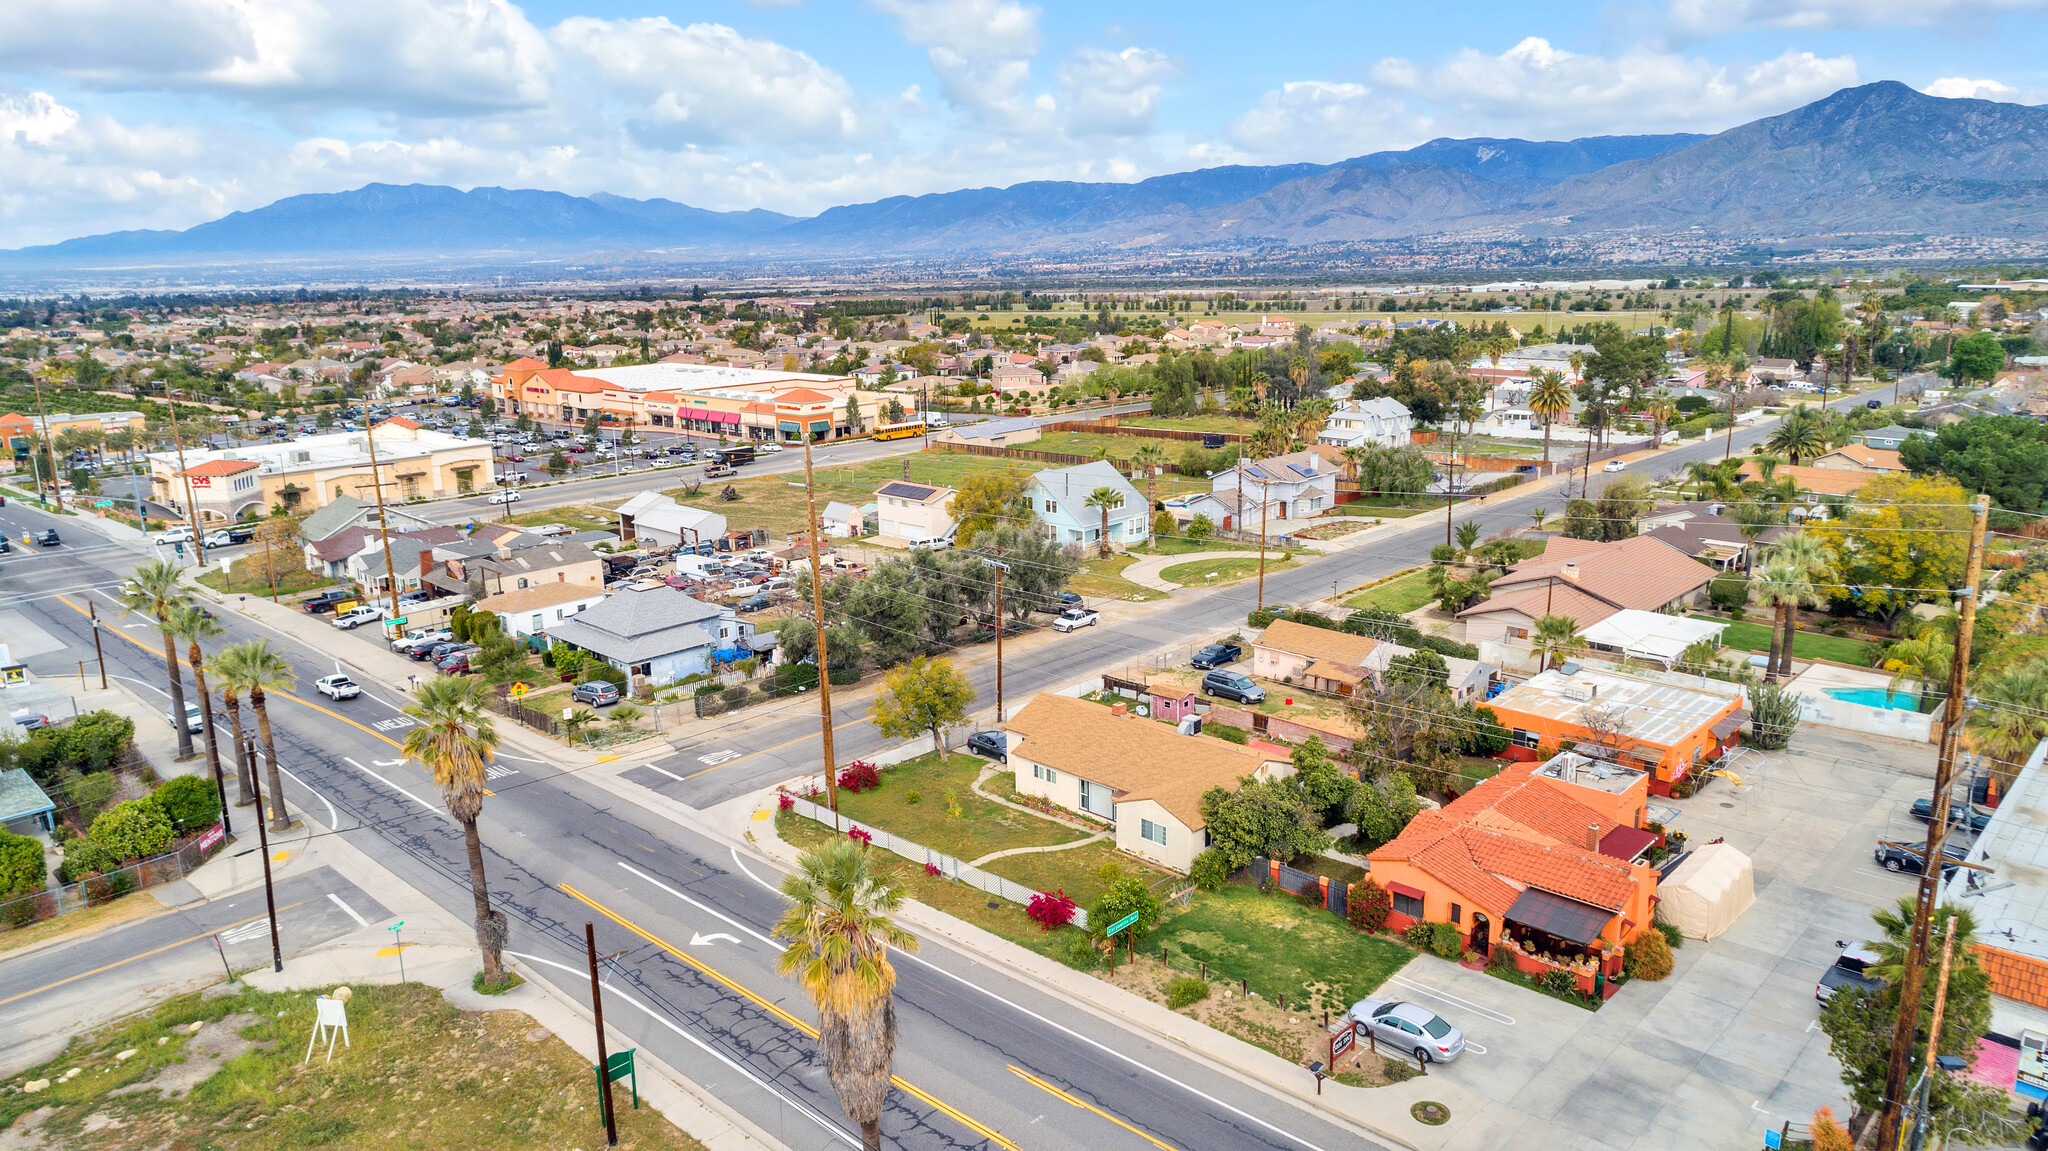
column 1580, row 691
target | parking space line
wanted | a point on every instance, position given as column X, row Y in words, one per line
column 1487, row 1012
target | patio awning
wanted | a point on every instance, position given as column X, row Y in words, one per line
column 1650, row 756
column 1564, row 918
column 1404, row 889
column 1724, row 728
column 1625, row 843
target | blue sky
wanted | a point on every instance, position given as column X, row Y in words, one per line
column 164, row 113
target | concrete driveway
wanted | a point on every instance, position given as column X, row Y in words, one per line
column 1731, row 1043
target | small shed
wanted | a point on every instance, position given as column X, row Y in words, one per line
column 1170, row 703
column 1704, row 895
column 24, row 809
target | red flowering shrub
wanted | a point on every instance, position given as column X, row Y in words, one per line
column 786, row 801
column 859, row 776
column 866, row 839
column 1367, row 905
column 932, row 869
column 1051, row 910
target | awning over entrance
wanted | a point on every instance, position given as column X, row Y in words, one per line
column 1564, row 918
column 1730, row 724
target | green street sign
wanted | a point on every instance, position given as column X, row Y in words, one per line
column 399, row 622
column 619, row 1065
column 1120, row 924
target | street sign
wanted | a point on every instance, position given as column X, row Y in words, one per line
column 1120, row 924
column 1773, row 1140
column 399, row 622
column 619, row 1065
column 518, row 690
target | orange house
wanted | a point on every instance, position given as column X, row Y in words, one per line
column 1545, row 861
column 1659, row 727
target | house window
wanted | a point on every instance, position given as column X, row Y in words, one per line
column 643, row 669
column 561, row 577
column 534, row 624
column 1155, row 832
column 1097, row 800
column 522, row 582
column 1051, row 507
column 1044, row 774
column 1457, row 914
column 1407, row 905
column 1522, row 738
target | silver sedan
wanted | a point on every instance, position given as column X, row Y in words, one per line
column 1406, row 1027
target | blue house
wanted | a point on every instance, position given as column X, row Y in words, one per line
column 1059, row 498
column 653, row 633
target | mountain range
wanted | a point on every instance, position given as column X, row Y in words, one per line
column 1879, row 158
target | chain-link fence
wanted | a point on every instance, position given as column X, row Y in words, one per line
column 166, row 868
column 948, row 866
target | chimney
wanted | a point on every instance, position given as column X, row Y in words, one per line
column 1570, row 571
column 1593, row 837
column 1119, row 709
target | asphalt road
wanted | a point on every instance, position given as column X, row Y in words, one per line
column 561, row 852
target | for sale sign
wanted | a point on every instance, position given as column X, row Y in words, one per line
column 1341, row 1042
column 213, row 835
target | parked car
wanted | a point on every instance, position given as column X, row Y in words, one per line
column 992, row 744
column 325, row 601
column 31, row 720
column 437, row 651
column 337, row 687
column 934, row 544
column 48, row 538
column 754, row 602
column 1614, row 466
column 423, row 638
column 177, row 535
column 1233, row 686
column 195, row 719
column 508, row 496
column 1076, row 617
column 1873, row 405
column 516, row 458
column 1406, row 1027
column 1901, row 857
column 1850, row 969
column 1216, row 655
column 456, row 662
column 596, row 693
column 1979, row 818
column 357, row 616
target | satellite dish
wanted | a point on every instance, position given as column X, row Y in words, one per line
column 1144, row 710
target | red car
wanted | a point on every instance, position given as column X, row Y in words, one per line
column 516, row 459
column 577, row 449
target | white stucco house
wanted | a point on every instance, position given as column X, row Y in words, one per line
column 1382, row 421
column 1268, row 495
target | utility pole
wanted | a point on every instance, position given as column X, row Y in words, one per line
column 1000, row 567
column 384, row 532
column 1893, row 1100
column 248, row 754
column 604, row 1063
column 818, row 625
column 270, row 567
column 1262, row 537
column 100, row 653
column 191, row 505
column 49, row 445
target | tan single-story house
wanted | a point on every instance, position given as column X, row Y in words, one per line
column 1319, row 658
column 531, row 610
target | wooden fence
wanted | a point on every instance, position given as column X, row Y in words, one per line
column 1112, row 427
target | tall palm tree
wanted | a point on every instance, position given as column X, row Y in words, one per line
column 1659, row 410
column 254, row 671
column 1925, row 656
column 1777, row 587
column 1354, row 460
column 1812, row 560
column 2008, row 720
column 192, row 625
column 1550, row 398
column 1103, row 499
column 155, row 590
column 454, row 742
column 1148, row 456
column 1553, row 638
column 1798, row 436
column 222, row 665
column 839, row 930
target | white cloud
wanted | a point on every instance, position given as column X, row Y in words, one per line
column 1963, row 88
column 1316, row 120
column 1712, row 17
column 706, row 84
column 68, row 173
column 1538, row 90
column 968, row 27
column 1113, row 93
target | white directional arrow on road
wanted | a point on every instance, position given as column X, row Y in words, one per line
column 697, row 940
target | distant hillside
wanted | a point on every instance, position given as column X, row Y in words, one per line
column 1520, row 162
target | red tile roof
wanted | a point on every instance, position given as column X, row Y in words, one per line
column 402, row 422
column 801, row 396
column 220, row 468
column 2013, row 975
column 524, row 364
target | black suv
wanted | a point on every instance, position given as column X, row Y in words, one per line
column 1899, row 857
column 48, row 538
column 1216, row 655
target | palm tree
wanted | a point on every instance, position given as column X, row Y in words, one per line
column 839, row 930
column 583, row 717
column 1553, row 638
column 222, row 664
column 1550, row 398
column 1924, row 656
column 1538, row 516
column 1103, row 499
column 192, row 625
column 2008, row 720
column 1798, row 436
column 1659, row 410
column 156, row 590
column 1810, row 559
column 252, row 669
column 1148, row 456
column 454, row 742
column 1354, row 460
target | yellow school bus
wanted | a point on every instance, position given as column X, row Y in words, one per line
column 902, row 431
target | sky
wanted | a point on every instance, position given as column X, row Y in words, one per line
column 118, row 114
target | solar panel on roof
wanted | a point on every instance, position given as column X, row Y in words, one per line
column 908, row 491
column 1299, row 470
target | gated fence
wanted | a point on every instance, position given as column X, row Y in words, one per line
column 950, row 867
column 169, row 867
column 532, row 717
column 1296, row 882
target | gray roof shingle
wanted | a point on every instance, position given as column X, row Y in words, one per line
column 634, row 625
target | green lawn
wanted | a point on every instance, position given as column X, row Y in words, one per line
column 1178, row 545
column 979, row 828
column 247, row 578
column 1280, row 946
column 1080, row 872
column 1104, row 577
column 1187, row 424
column 1747, row 636
column 1216, row 572
column 1383, row 508
column 1402, row 595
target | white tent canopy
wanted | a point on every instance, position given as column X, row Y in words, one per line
column 1706, row 894
column 1650, row 635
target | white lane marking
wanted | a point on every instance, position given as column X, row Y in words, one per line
column 333, row 816
column 718, row 757
column 398, row 789
column 706, row 909
column 1061, row 1027
column 697, row 940
column 522, row 758
column 844, row 1136
column 664, row 771
column 382, row 700
column 388, row 762
column 253, row 929
column 394, row 724
column 360, row 921
column 493, row 771
column 1447, row 997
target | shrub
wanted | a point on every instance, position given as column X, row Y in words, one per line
column 1649, row 957
column 733, row 696
column 1123, row 897
column 113, row 885
column 843, row 676
column 934, row 870
column 1313, row 898
column 1420, row 935
column 1773, row 715
column 1500, row 959
column 1264, row 616
column 858, row 776
column 1051, row 910
column 192, row 801
column 1226, row 732
column 704, row 689
column 1186, row 991
column 1446, row 941
column 1560, row 983
column 864, row 838
column 1367, row 905
column 1211, row 870
column 22, row 870
column 1110, row 872
column 913, row 797
column 1672, row 935
column 136, row 829
column 785, row 802
column 1442, row 554
column 1473, row 957
column 83, row 857
column 1729, row 592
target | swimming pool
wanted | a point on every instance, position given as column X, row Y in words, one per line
column 1875, row 697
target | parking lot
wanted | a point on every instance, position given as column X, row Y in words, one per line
column 1731, row 1043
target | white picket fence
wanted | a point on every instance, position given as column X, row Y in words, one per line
column 917, row 853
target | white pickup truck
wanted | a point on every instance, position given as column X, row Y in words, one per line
column 365, row 613
column 337, row 687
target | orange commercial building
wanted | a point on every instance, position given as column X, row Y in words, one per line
column 746, row 404
column 1546, row 861
column 1662, row 728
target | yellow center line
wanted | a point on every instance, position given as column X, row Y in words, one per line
column 142, row 955
column 809, row 1031
column 1049, row 1089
